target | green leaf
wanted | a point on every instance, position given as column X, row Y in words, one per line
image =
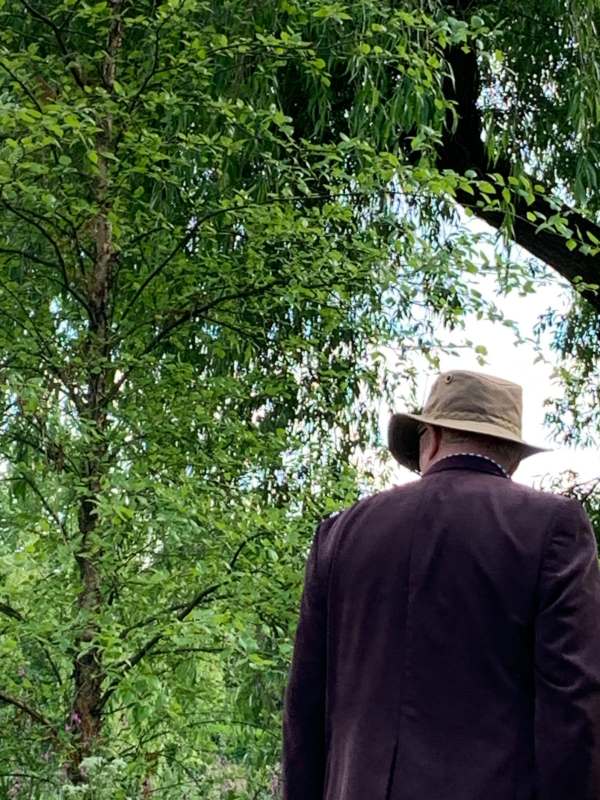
column 486, row 187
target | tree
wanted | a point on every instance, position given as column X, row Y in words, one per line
column 527, row 111
column 214, row 215
column 522, row 120
column 191, row 293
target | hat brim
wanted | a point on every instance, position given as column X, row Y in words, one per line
column 403, row 436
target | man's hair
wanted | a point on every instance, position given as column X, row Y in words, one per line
column 506, row 453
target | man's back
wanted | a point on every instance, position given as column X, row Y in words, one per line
column 449, row 639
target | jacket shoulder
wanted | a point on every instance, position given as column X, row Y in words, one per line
column 339, row 518
column 560, row 503
column 556, row 503
column 553, row 503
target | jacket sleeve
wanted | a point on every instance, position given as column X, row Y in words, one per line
column 567, row 661
column 303, row 754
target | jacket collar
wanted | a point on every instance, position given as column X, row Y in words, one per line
column 466, row 461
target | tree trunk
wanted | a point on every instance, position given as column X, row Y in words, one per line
column 88, row 671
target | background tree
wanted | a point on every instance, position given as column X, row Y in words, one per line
column 214, row 215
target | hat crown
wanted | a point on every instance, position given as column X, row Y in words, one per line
column 476, row 397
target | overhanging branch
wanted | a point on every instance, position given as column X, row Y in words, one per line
column 464, row 150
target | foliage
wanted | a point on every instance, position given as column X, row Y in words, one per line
column 189, row 293
column 573, row 413
column 542, row 92
column 541, row 107
column 586, row 492
column 205, row 247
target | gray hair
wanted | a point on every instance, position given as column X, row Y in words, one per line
column 508, row 454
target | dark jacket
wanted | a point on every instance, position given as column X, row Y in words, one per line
column 448, row 646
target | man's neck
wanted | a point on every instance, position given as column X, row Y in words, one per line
column 465, row 451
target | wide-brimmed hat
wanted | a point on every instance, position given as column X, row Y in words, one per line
column 464, row 401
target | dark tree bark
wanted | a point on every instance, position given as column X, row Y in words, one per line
column 464, row 149
column 88, row 668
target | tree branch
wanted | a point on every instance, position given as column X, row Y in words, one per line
column 13, row 251
column 178, row 650
column 23, row 86
column 23, row 706
column 128, row 665
column 9, row 611
column 43, row 344
column 189, row 235
column 39, row 227
column 152, row 71
column 29, row 775
column 33, row 258
column 464, row 149
column 181, row 319
column 31, row 483
column 243, row 544
column 197, row 311
column 183, row 241
column 74, row 69
column 240, row 331
column 185, row 610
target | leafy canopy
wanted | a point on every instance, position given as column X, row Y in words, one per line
column 204, row 248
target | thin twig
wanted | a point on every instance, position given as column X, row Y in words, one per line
column 29, row 775
column 30, row 482
column 23, row 86
column 183, row 241
column 152, row 70
column 21, row 704
column 13, row 251
column 21, row 215
column 178, row 650
column 74, row 69
column 185, row 610
column 128, row 665
column 193, row 230
column 180, row 320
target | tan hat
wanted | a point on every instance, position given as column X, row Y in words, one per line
column 465, row 401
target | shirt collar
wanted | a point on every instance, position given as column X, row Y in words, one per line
column 473, row 461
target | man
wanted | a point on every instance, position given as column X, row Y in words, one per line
column 448, row 645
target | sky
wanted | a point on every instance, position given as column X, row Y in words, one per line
column 516, row 363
